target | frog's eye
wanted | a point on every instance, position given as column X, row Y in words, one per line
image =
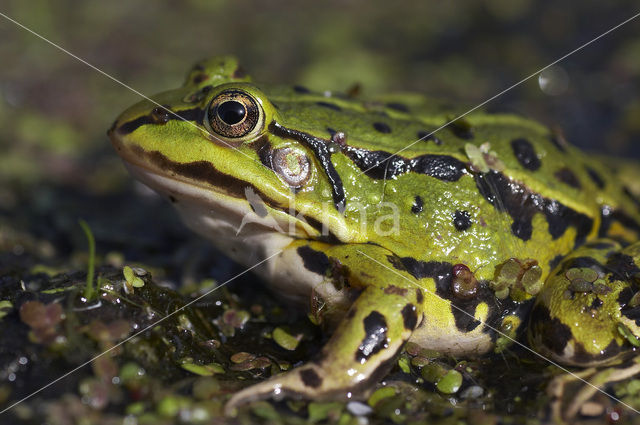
column 233, row 114
column 292, row 165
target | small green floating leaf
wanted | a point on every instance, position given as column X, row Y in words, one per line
column 450, row 383
column 403, row 363
column 285, row 339
column 380, row 394
column 203, row 370
column 131, row 277
column 321, row 411
column 5, row 307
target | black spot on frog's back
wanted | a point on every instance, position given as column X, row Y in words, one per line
column 418, row 205
column 428, row 135
column 301, row 89
column 568, row 177
column 525, row 153
column 461, row 128
column 397, row 106
column 461, row 220
column 329, row 106
column 381, row 127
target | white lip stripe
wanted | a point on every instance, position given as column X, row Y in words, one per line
column 501, row 333
column 577, row 49
column 124, row 341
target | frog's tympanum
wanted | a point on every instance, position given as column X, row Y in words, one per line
column 490, row 228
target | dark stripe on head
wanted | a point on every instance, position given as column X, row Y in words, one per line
column 201, row 171
column 194, row 114
column 205, row 172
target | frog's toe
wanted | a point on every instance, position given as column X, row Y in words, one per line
column 304, row 381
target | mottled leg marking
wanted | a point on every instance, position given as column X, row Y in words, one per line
column 365, row 343
column 597, row 286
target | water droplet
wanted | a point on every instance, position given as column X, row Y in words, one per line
column 553, row 81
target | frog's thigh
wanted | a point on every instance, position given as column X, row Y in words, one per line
column 585, row 316
column 365, row 342
column 592, row 287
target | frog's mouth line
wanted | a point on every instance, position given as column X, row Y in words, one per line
column 230, row 199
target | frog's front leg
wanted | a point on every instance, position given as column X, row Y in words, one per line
column 361, row 350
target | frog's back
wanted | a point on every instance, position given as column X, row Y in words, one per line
column 482, row 189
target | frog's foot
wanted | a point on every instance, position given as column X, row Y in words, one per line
column 592, row 381
column 307, row 381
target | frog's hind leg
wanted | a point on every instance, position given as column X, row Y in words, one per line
column 592, row 381
column 363, row 347
column 588, row 315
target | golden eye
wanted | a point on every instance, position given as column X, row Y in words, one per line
column 233, row 114
column 292, row 165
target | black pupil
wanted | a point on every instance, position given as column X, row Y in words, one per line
column 231, row 112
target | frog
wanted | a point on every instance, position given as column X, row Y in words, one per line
column 397, row 219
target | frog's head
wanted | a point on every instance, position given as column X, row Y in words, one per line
column 220, row 149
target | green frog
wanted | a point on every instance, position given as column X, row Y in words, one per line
column 395, row 227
